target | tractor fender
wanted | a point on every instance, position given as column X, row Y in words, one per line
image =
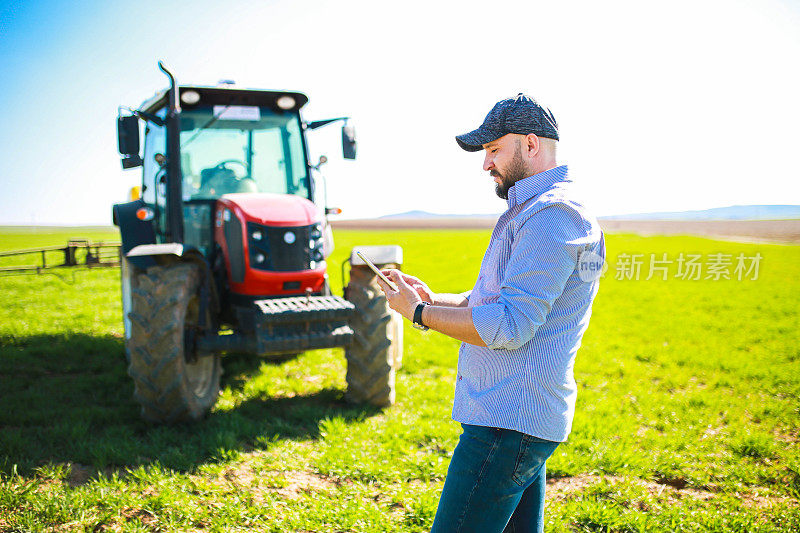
column 379, row 255
column 184, row 254
column 134, row 232
column 149, row 250
column 171, row 255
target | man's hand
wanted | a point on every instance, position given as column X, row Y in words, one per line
column 417, row 284
column 453, row 320
column 405, row 299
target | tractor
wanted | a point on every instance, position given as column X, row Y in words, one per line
column 224, row 250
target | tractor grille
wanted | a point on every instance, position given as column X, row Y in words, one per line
column 283, row 249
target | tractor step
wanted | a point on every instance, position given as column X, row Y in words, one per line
column 304, row 309
column 296, row 340
column 286, row 325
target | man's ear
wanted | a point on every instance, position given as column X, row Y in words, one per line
column 533, row 144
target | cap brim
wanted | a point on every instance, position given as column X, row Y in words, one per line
column 474, row 140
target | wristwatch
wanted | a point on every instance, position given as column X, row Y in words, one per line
column 417, row 322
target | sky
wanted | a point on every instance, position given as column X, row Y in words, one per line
column 662, row 106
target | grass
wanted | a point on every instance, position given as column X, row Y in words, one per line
column 687, row 412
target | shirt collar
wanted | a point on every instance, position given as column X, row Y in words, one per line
column 532, row 186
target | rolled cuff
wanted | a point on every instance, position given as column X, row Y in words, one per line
column 487, row 320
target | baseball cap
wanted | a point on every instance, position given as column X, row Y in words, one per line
column 521, row 114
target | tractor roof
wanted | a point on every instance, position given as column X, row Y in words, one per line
column 226, row 96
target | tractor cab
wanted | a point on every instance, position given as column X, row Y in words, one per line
column 226, row 172
column 225, row 147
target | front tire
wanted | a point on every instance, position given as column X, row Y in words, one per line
column 165, row 306
column 377, row 347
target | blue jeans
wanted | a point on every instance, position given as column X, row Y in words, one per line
column 495, row 483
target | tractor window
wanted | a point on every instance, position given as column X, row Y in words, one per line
column 220, row 155
column 155, row 142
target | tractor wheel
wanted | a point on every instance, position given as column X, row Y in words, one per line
column 164, row 307
column 372, row 356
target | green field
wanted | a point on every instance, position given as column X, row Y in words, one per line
column 687, row 415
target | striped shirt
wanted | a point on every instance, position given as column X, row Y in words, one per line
column 531, row 307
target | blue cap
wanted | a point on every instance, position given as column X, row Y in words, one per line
column 521, row 115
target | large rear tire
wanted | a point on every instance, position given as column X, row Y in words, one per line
column 165, row 306
column 372, row 358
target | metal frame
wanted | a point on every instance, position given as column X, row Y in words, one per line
column 98, row 255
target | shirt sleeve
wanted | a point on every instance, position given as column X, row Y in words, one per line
column 543, row 256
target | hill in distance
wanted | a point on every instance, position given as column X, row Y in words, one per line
column 734, row 212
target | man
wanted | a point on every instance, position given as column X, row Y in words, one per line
column 521, row 326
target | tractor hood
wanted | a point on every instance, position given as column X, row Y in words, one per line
column 272, row 209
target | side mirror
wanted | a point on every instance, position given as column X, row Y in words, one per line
column 348, row 142
column 128, row 141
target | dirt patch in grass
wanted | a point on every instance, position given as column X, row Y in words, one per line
column 78, row 474
column 766, row 502
column 145, row 517
column 561, row 488
column 242, row 475
column 671, row 490
column 300, row 482
column 786, row 438
column 289, row 484
column 126, row 516
column 678, row 483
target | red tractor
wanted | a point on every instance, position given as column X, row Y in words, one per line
column 225, row 250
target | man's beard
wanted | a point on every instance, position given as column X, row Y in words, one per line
column 516, row 171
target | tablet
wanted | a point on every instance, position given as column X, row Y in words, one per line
column 377, row 272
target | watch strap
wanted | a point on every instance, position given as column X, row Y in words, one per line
column 418, row 316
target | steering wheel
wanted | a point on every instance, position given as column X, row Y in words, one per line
column 223, row 165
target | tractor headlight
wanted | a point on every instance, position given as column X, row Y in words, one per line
column 190, row 97
column 286, row 102
column 258, row 242
column 315, row 244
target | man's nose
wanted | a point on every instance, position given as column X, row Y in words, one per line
column 488, row 162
